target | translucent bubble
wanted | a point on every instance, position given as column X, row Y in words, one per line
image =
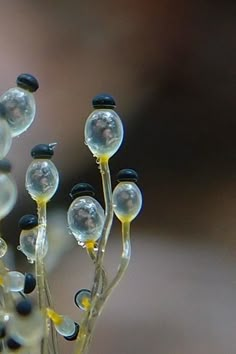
column 127, row 201
column 42, row 179
column 103, row 132
column 20, row 109
column 28, row 240
column 27, row 330
column 83, row 299
column 66, row 327
column 14, row 281
column 3, row 247
column 85, row 219
column 5, row 138
column 8, row 194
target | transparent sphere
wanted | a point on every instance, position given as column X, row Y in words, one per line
column 5, row 138
column 66, row 328
column 3, row 247
column 20, row 109
column 27, row 330
column 8, row 194
column 83, row 299
column 41, row 179
column 14, row 281
column 103, row 132
column 85, row 219
column 127, row 201
column 27, row 245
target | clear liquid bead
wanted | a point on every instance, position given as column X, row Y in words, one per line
column 5, row 138
column 14, row 281
column 8, row 194
column 20, row 109
column 103, row 132
column 42, row 179
column 28, row 240
column 127, row 201
column 3, row 247
column 85, row 219
column 66, row 328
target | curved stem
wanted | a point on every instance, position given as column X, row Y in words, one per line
column 125, row 259
column 93, row 256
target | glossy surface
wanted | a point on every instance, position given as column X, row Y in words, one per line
column 20, row 109
column 85, row 219
column 127, row 201
column 8, row 194
column 41, row 179
column 103, row 132
column 28, row 242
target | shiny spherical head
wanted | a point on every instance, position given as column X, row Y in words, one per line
column 30, row 283
column 14, row 281
column 20, row 109
column 8, row 190
column 27, row 82
column 75, row 334
column 65, row 328
column 82, row 189
column 43, row 151
column 24, row 307
column 127, row 175
column 5, row 138
column 3, row 247
column 85, row 218
column 127, row 201
column 103, row 100
column 28, row 222
column 103, row 133
column 82, row 299
column 42, row 179
column 27, row 245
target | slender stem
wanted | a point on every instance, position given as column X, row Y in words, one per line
column 53, row 332
column 92, row 254
column 107, row 191
column 88, row 322
column 39, row 268
column 125, row 259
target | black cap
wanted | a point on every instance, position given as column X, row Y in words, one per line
column 28, row 222
column 104, row 100
column 127, row 175
column 30, row 283
column 75, row 334
column 24, row 307
column 27, row 82
column 82, row 189
column 13, row 344
column 5, row 166
column 43, row 151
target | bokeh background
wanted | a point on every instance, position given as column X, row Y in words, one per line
column 171, row 68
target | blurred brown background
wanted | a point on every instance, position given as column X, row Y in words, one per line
column 171, row 68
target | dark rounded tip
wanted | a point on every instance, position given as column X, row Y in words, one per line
column 103, row 101
column 30, row 283
column 75, row 334
column 24, row 307
column 127, row 175
column 28, row 222
column 78, row 296
column 82, row 189
column 13, row 344
column 5, row 166
column 43, row 151
column 27, row 82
